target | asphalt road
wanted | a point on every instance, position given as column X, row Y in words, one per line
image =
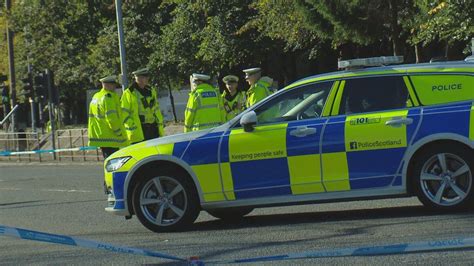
column 68, row 199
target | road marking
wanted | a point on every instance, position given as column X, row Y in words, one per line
column 47, row 190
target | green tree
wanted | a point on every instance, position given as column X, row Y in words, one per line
column 58, row 39
column 450, row 22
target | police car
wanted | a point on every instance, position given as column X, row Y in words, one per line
column 365, row 132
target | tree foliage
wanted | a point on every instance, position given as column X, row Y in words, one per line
column 288, row 38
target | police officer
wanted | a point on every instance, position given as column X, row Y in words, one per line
column 142, row 115
column 105, row 127
column 233, row 100
column 260, row 87
column 204, row 108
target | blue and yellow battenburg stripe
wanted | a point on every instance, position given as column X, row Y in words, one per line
column 355, row 152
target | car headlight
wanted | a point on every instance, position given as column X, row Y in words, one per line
column 115, row 164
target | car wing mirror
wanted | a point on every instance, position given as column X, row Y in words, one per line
column 248, row 121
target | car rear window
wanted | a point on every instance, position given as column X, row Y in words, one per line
column 439, row 89
column 363, row 95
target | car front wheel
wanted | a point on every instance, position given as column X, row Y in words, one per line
column 165, row 203
column 445, row 177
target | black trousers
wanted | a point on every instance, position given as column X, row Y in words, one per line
column 150, row 131
column 106, row 152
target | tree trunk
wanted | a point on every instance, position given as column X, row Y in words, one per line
column 417, row 54
column 395, row 28
column 446, row 49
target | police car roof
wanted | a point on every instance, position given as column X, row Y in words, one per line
column 377, row 70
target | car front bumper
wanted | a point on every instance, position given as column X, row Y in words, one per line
column 116, row 199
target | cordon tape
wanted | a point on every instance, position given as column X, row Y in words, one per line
column 72, row 241
column 10, row 153
column 425, row 246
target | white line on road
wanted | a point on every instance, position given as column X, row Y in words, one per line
column 48, row 190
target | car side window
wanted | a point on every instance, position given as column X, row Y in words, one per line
column 363, row 95
column 300, row 103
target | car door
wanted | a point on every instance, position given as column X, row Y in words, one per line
column 281, row 155
column 365, row 141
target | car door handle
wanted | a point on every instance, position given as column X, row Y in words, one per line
column 398, row 122
column 303, row 131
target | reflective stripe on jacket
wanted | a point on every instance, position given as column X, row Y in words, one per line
column 134, row 106
column 105, row 127
column 203, row 109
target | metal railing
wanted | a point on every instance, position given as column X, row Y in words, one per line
column 74, row 138
column 22, row 141
column 33, row 146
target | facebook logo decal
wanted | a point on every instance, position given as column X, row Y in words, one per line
column 353, row 145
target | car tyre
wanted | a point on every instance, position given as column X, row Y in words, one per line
column 230, row 214
column 444, row 177
column 165, row 202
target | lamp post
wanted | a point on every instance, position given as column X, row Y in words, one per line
column 123, row 62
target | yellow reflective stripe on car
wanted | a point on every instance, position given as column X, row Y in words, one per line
column 257, row 145
column 228, row 183
column 336, row 171
column 209, row 179
column 146, row 149
column 411, row 92
column 337, row 101
column 330, row 100
column 369, row 131
column 165, row 148
column 471, row 124
column 305, row 174
column 437, row 89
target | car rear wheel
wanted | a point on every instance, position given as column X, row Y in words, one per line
column 165, row 203
column 231, row 213
column 445, row 177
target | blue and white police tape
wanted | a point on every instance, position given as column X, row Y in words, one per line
column 72, row 241
column 435, row 245
column 10, row 153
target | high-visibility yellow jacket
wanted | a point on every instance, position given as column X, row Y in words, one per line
column 258, row 91
column 232, row 105
column 105, row 127
column 140, row 109
column 203, row 109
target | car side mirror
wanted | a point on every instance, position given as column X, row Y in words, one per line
column 248, row 121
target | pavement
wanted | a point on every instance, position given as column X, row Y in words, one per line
column 68, row 199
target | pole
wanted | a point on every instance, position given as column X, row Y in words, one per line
column 40, row 116
column 123, row 62
column 33, row 124
column 50, row 110
column 172, row 101
column 32, row 100
column 30, row 77
column 8, row 115
column 11, row 63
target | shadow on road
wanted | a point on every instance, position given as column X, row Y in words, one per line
column 324, row 216
column 19, row 202
column 45, row 204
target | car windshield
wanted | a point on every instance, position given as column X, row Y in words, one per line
column 300, row 103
